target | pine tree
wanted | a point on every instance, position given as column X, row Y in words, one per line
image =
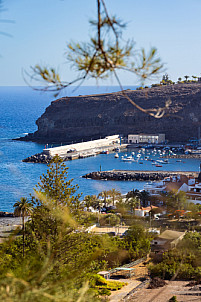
column 55, row 202
column 55, row 186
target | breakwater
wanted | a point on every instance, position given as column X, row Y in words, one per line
column 197, row 156
column 79, row 150
column 128, row 175
column 38, row 158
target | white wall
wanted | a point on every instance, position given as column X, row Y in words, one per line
column 133, row 138
column 107, row 141
column 146, row 138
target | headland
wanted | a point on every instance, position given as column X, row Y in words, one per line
column 82, row 118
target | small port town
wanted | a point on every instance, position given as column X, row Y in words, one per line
column 158, row 153
column 151, row 148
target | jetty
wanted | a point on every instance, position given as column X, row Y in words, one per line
column 78, row 150
column 136, row 175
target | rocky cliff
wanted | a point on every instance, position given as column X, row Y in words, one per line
column 93, row 116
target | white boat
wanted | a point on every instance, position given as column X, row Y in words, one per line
column 116, row 155
column 129, row 158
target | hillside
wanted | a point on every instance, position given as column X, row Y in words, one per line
column 93, row 116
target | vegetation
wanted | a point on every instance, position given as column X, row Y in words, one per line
column 166, row 81
column 23, row 208
column 61, row 260
column 58, row 260
column 173, row 299
column 101, row 283
column 182, row 262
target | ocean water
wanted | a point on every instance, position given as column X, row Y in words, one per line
column 19, row 109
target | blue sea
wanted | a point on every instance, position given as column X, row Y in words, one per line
column 19, row 109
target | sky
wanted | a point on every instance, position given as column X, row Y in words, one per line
column 41, row 29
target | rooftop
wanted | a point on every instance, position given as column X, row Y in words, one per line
column 170, row 235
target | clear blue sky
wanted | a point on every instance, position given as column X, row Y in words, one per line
column 42, row 28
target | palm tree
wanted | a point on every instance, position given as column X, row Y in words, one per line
column 98, row 203
column 186, row 77
column 23, row 208
column 114, row 194
column 89, row 201
column 194, row 78
column 144, row 197
column 176, row 201
column 179, row 79
column 104, row 194
column 132, row 203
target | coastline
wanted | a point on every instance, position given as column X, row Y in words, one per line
column 10, row 222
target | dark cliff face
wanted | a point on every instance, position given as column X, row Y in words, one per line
column 90, row 117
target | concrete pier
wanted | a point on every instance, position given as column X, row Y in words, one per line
column 108, row 141
column 79, row 150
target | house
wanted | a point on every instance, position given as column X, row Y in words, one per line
column 193, row 193
column 146, row 138
column 190, row 185
column 143, row 212
column 166, row 240
column 172, row 183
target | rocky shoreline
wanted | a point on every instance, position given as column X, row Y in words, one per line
column 134, row 175
column 38, row 158
column 6, row 214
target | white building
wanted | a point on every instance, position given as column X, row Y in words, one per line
column 146, row 138
column 144, row 212
column 189, row 185
column 194, row 192
column 173, row 183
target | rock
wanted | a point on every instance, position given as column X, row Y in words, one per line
column 156, row 282
column 89, row 117
column 38, row 158
column 6, row 214
column 134, row 176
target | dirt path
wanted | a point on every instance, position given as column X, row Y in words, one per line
column 117, row 296
column 140, row 272
column 163, row 294
column 9, row 224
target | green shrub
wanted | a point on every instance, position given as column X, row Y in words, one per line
column 109, row 219
column 98, row 282
column 104, row 292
